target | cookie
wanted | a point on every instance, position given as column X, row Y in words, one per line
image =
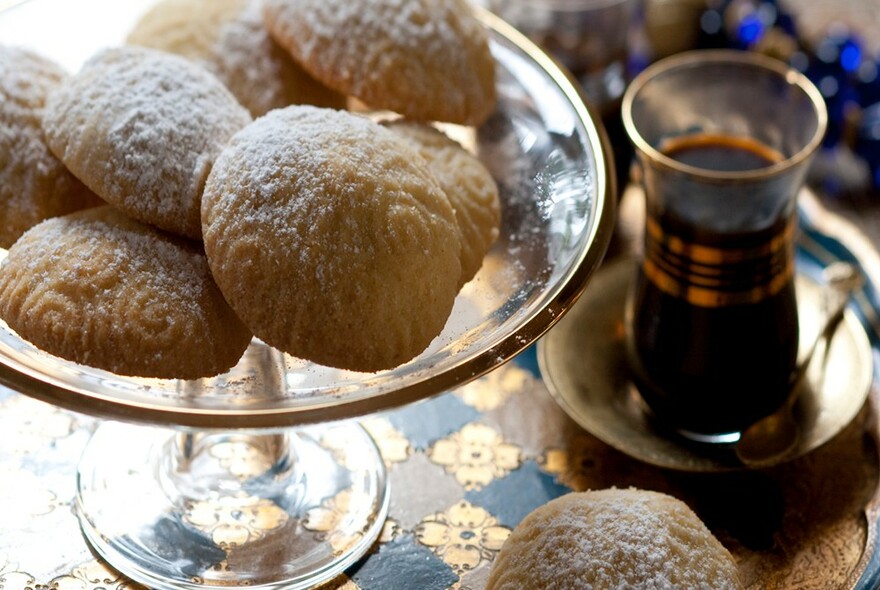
column 34, row 184
column 229, row 39
column 100, row 289
column 425, row 59
column 331, row 238
column 141, row 128
column 471, row 190
column 613, row 538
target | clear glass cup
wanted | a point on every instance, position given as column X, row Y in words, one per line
column 724, row 140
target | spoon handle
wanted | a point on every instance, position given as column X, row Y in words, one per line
column 842, row 279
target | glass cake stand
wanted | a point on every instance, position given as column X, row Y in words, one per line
column 259, row 477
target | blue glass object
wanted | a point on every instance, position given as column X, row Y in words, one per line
column 838, row 63
column 750, row 29
column 851, row 55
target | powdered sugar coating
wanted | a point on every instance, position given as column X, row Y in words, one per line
column 331, row 238
column 611, row 539
column 101, row 289
column 142, row 128
column 425, row 59
column 471, row 190
column 34, row 185
column 228, row 38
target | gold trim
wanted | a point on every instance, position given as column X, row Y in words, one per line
column 706, row 296
column 696, row 273
column 708, row 255
column 732, row 56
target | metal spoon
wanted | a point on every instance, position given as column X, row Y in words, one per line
column 771, row 438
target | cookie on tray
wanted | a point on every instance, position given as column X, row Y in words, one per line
column 100, row 289
column 425, row 59
column 141, row 128
column 228, row 37
column 613, row 538
column 34, row 184
column 471, row 190
column 331, row 238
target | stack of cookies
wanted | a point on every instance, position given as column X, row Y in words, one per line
column 204, row 184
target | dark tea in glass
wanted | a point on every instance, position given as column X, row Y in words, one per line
column 724, row 140
column 714, row 334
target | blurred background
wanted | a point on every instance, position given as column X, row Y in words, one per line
column 836, row 44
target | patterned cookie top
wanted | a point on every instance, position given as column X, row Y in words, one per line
column 425, row 59
column 613, row 538
column 142, row 128
column 34, row 185
column 101, row 289
column 229, row 38
column 331, row 238
column 26, row 78
column 471, row 190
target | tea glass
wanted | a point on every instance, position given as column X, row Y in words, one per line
column 724, row 140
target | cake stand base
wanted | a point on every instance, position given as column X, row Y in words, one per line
column 193, row 510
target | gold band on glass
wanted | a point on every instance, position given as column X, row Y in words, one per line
column 716, row 277
column 713, row 297
column 700, row 254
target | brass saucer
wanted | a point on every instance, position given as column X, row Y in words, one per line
column 583, row 363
